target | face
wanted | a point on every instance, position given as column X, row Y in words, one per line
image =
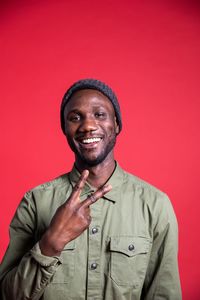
column 90, row 127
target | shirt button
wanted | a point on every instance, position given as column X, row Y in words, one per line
column 94, row 230
column 131, row 247
column 93, row 266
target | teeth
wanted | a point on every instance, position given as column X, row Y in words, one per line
column 92, row 140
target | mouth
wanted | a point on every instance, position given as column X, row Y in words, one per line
column 91, row 140
column 88, row 143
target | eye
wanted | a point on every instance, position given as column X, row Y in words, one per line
column 100, row 115
column 74, row 118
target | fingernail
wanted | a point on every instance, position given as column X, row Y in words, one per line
column 108, row 187
column 85, row 173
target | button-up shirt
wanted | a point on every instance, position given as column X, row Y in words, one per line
column 129, row 250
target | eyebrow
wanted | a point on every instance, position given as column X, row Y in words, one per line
column 77, row 110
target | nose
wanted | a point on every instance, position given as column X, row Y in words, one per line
column 88, row 124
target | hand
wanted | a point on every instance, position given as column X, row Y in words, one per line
column 70, row 219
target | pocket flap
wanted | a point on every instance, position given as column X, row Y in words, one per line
column 129, row 245
column 70, row 246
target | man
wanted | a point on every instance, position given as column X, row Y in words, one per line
column 96, row 232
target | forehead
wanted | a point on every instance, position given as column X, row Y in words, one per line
column 88, row 99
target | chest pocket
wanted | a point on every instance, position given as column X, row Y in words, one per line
column 129, row 259
column 65, row 271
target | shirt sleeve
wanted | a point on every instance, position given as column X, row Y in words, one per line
column 162, row 278
column 24, row 271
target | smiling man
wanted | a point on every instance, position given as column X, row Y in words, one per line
column 96, row 232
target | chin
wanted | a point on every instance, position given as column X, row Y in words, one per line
column 93, row 159
column 91, row 162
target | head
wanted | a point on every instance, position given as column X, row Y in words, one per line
column 91, row 120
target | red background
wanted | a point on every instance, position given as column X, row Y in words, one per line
column 149, row 52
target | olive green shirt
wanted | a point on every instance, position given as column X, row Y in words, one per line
column 129, row 250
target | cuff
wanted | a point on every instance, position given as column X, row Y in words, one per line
column 43, row 260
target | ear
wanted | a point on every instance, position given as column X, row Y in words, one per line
column 116, row 126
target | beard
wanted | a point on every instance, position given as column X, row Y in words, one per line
column 82, row 156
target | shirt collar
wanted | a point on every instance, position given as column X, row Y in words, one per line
column 116, row 181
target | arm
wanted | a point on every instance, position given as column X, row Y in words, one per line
column 162, row 278
column 29, row 265
column 24, row 271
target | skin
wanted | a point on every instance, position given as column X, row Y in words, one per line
column 88, row 114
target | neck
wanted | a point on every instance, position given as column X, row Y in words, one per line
column 99, row 174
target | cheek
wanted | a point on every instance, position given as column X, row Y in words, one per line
column 111, row 131
column 70, row 137
column 112, row 127
column 69, row 130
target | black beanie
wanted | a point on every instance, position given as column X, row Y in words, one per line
column 95, row 85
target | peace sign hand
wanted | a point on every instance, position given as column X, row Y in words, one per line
column 70, row 219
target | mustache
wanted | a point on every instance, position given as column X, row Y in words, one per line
column 88, row 135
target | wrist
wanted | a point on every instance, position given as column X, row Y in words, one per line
column 48, row 246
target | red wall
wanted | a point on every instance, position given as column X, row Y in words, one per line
column 149, row 52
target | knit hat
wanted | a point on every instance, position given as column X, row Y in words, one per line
column 95, row 85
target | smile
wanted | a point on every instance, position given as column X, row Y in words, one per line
column 91, row 140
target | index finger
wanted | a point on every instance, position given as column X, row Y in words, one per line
column 80, row 184
column 97, row 195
